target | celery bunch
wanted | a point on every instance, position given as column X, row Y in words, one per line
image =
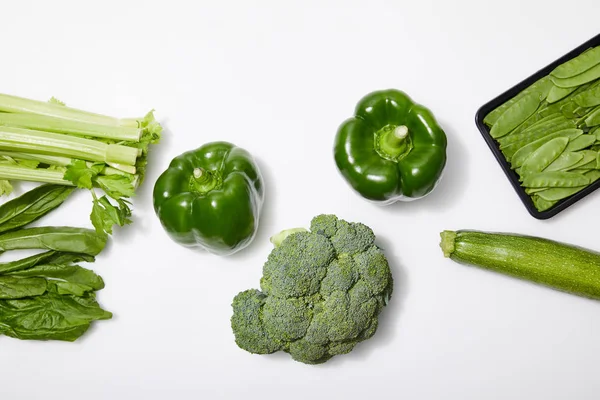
column 51, row 143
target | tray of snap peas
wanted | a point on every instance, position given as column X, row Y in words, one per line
column 545, row 132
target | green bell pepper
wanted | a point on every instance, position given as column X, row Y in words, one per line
column 392, row 149
column 211, row 198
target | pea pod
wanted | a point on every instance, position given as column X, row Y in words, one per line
column 515, row 115
column 589, row 156
column 543, row 124
column 542, row 86
column 578, row 65
column 547, row 108
column 541, row 204
column 559, row 193
column 544, row 156
column 581, row 142
column 594, row 175
column 524, row 152
column 564, row 161
column 593, row 119
column 589, row 98
column 557, row 93
column 555, row 179
column 519, row 140
column 588, row 76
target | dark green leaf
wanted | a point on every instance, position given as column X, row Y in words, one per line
column 49, row 257
column 50, row 317
column 12, row 287
column 32, row 205
column 67, row 239
column 65, row 273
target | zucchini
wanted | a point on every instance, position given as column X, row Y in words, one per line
column 557, row 265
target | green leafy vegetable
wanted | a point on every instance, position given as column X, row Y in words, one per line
column 50, row 317
column 67, row 239
column 31, row 206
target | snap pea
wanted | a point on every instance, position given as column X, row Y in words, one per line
column 511, row 148
column 589, row 156
column 581, row 122
column 541, row 204
column 594, row 175
column 547, row 108
column 523, row 153
column 555, row 179
column 593, row 119
column 531, row 191
column 515, row 115
column 559, row 193
column 564, row 161
column 578, row 65
column 537, row 132
column 588, row 76
column 543, row 156
column 557, row 93
column 568, row 110
column 542, row 86
column 589, row 98
column 581, row 142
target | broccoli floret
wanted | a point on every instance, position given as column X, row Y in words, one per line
column 322, row 292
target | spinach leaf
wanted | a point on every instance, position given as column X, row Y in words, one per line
column 50, row 317
column 32, row 205
column 67, row 239
column 49, row 257
column 16, row 288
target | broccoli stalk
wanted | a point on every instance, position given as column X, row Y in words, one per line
column 321, row 293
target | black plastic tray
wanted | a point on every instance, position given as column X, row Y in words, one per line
column 512, row 175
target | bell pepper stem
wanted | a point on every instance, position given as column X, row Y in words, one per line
column 394, row 141
column 203, row 181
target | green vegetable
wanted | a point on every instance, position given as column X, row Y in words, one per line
column 392, row 149
column 211, row 198
column 577, row 80
column 560, row 266
column 554, row 179
column 31, row 206
column 589, row 98
column 557, row 93
column 66, row 239
column 515, row 115
column 53, row 143
column 534, row 144
column 50, row 317
column 47, row 296
column 578, row 65
column 322, row 291
column 542, row 86
column 544, row 156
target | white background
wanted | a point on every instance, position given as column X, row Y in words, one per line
column 277, row 78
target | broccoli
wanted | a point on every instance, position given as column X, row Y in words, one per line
column 321, row 293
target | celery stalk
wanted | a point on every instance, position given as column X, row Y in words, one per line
column 20, row 173
column 30, row 141
column 70, row 127
column 116, row 169
column 14, row 104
